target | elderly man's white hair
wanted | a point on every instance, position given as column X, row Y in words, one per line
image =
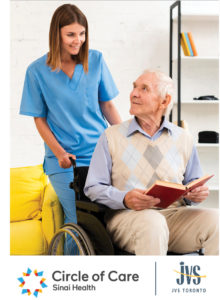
column 165, row 87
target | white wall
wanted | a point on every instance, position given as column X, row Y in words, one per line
column 133, row 36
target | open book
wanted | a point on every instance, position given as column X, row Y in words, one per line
column 169, row 192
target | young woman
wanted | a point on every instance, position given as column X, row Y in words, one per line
column 68, row 91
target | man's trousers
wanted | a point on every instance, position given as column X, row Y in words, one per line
column 154, row 232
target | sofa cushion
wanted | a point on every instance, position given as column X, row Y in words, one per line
column 27, row 238
column 26, row 192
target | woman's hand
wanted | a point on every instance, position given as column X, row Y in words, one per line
column 52, row 143
column 199, row 194
column 64, row 161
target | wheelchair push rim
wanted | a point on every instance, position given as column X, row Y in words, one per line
column 78, row 241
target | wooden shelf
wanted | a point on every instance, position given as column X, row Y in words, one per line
column 207, row 145
column 198, row 58
column 212, row 58
column 199, row 102
column 213, row 188
column 197, row 17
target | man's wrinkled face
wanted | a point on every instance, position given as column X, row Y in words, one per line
column 144, row 98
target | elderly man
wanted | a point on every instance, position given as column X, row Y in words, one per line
column 127, row 160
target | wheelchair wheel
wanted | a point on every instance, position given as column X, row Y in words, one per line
column 78, row 241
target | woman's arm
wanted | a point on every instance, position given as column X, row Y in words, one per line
column 52, row 143
column 110, row 112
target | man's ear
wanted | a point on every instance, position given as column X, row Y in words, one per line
column 166, row 101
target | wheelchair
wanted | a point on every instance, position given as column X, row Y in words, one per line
column 89, row 236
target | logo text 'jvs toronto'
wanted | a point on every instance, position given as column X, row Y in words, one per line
column 189, row 274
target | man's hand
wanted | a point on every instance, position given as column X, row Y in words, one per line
column 137, row 200
column 64, row 160
column 199, row 194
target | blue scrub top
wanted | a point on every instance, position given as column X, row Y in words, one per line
column 71, row 106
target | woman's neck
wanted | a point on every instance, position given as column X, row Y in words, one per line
column 66, row 57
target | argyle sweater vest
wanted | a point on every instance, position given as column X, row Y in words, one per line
column 138, row 161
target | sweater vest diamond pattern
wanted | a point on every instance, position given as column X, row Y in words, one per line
column 138, row 161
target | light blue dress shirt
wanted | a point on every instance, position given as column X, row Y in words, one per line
column 71, row 106
column 98, row 184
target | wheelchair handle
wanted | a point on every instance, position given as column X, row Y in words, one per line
column 73, row 185
column 73, row 161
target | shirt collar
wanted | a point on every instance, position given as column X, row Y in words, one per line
column 134, row 126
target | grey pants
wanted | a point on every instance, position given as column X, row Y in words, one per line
column 154, row 232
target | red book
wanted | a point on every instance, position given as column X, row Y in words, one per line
column 169, row 192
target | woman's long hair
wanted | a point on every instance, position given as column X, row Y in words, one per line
column 65, row 15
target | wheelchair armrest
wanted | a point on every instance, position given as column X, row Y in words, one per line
column 91, row 206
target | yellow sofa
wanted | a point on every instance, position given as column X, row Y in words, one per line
column 35, row 211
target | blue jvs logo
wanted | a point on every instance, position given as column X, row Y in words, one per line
column 189, row 274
